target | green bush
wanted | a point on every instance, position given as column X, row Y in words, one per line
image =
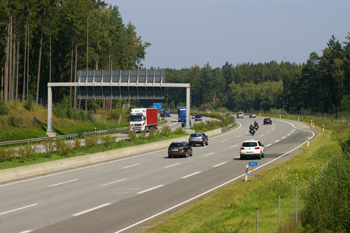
column 345, row 144
column 142, row 135
column 13, row 121
column 3, row 108
column 77, row 143
column 328, row 204
column 132, row 135
column 49, row 147
column 3, row 155
column 108, row 139
column 165, row 131
column 29, row 103
column 179, row 130
column 151, row 134
column 62, row 147
column 91, row 140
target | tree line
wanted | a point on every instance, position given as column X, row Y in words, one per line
column 49, row 40
column 321, row 84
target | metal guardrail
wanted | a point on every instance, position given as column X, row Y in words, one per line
column 68, row 136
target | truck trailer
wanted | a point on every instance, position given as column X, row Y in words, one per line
column 143, row 119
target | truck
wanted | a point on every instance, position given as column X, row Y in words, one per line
column 167, row 112
column 182, row 114
column 143, row 119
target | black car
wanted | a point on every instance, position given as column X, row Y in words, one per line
column 198, row 117
column 198, row 138
column 267, row 121
column 179, row 149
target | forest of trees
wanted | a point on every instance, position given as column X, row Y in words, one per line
column 321, row 84
column 49, row 40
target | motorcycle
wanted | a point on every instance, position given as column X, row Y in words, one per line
column 256, row 127
column 252, row 131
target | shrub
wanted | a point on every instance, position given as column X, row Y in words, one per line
column 165, row 131
column 345, row 144
column 29, row 103
column 142, row 135
column 91, row 140
column 28, row 152
column 77, row 143
column 2, row 155
column 13, row 121
column 151, row 134
column 108, row 139
column 3, row 108
column 49, row 147
column 132, row 135
column 60, row 145
column 179, row 130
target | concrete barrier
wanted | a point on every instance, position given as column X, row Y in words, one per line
column 11, row 174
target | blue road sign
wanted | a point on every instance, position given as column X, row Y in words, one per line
column 254, row 164
column 157, row 105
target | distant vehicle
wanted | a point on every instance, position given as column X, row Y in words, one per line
column 208, row 111
column 181, row 111
column 143, row 119
column 198, row 117
column 239, row 114
column 252, row 115
column 167, row 112
column 228, row 114
column 267, row 121
column 182, row 149
column 252, row 148
column 193, row 116
column 198, row 138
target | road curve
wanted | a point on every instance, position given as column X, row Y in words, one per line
column 120, row 195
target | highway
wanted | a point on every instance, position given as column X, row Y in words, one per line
column 119, row 195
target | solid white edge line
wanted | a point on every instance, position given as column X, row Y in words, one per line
column 113, row 182
column 26, row 231
column 217, row 165
column 190, row 175
column 277, row 140
column 150, row 189
column 65, row 182
column 208, row 191
column 209, row 154
column 21, row 208
column 131, row 165
column 172, row 165
column 92, row 209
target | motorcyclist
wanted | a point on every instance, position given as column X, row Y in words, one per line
column 251, row 127
column 256, row 125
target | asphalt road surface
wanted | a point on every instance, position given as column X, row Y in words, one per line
column 121, row 195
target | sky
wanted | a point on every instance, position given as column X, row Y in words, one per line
column 187, row 33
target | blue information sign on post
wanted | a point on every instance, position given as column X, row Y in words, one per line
column 157, row 105
column 253, row 164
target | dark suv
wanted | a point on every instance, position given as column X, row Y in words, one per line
column 182, row 149
column 267, row 121
column 198, row 138
column 198, row 117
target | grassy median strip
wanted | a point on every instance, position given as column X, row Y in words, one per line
column 28, row 157
column 233, row 208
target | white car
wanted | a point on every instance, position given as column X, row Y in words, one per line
column 239, row 114
column 252, row 148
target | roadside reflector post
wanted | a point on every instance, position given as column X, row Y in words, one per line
column 298, row 118
column 308, row 142
column 95, row 129
column 313, row 125
column 311, row 122
column 280, row 116
column 246, row 173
